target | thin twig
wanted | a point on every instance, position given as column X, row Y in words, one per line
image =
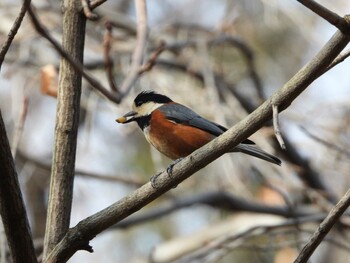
column 339, row 59
column 324, row 142
column 129, row 180
column 19, row 126
column 327, row 14
column 152, row 59
column 16, row 25
column 324, row 228
column 141, row 40
column 40, row 28
column 236, row 42
column 277, row 127
column 217, row 200
column 108, row 62
column 133, row 181
column 229, row 241
column 96, row 3
column 87, row 11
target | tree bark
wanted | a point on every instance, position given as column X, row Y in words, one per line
column 12, row 208
column 66, row 130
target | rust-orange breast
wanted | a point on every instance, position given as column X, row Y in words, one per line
column 173, row 139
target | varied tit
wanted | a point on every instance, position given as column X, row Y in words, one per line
column 177, row 131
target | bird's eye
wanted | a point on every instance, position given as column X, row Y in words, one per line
column 138, row 103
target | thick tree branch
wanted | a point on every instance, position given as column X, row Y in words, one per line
column 12, row 207
column 66, row 130
column 13, row 31
column 79, row 236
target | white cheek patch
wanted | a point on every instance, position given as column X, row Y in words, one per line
column 148, row 108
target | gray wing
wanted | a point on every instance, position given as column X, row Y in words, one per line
column 183, row 115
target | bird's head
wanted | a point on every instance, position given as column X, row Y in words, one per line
column 144, row 104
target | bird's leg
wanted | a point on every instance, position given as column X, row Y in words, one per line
column 169, row 170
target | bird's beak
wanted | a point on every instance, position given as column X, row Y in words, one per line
column 129, row 117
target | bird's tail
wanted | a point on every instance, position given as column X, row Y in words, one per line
column 256, row 152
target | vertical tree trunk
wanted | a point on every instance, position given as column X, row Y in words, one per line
column 12, row 208
column 67, row 120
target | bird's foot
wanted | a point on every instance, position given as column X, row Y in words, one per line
column 169, row 170
column 153, row 180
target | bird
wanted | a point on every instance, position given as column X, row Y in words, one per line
column 176, row 131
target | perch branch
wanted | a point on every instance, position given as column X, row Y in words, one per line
column 80, row 235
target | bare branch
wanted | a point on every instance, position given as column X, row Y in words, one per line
column 77, row 65
column 87, row 11
column 152, row 59
column 326, row 14
column 12, row 209
column 228, row 240
column 16, row 25
column 80, row 235
column 113, row 178
column 66, row 129
column 107, row 58
column 141, row 39
column 339, row 59
column 324, row 142
column 276, row 127
column 96, row 3
column 324, row 228
column 218, row 200
column 19, row 126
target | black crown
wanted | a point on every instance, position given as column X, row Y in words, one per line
column 150, row 96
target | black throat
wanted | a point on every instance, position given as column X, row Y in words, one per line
column 143, row 121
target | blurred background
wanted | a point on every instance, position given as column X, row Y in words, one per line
column 223, row 58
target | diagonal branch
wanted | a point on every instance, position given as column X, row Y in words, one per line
column 80, row 235
column 330, row 145
column 76, row 64
column 327, row 14
column 12, row 209
column 324, row 228
column 218, row 200
column 13, row 31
